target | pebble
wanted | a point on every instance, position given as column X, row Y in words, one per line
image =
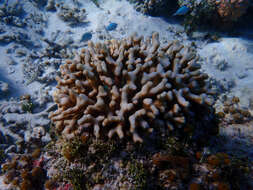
column 20, row 52
column 67, row 41
column 98, row 187
column 46, row 138
column 241, row 75
column 198, row 35
column 4, row 87
column 38, row 132
column 9, row 50
column 10, row 61
column 231, row 84
column 221, row 64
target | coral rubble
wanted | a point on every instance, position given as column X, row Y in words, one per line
column 154, row 7
column 233, row 113
column 125, row 87
column 71, row 15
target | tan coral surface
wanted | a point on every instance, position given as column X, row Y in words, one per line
column 126, row 87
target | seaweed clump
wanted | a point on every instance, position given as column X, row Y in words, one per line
column 139, row 175
column 80, row 163
column 72, row 16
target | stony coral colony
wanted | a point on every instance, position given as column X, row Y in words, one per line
column 129, row 87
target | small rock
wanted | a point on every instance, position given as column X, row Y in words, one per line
column 27, row 136
column 46, row 138
column 10, row 61
column 98, row 187
column 9, row 50
column 67, row 41
column 17, row 22
column 231, row 84
column 20, row 52
column 4, row 87
column 221, row 64
column 198, row 35
column 11, row 70
column 38, row 132
column 241, row 75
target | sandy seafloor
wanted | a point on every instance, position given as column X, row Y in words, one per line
column 24, row 53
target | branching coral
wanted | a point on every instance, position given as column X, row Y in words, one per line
column 125, row 87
